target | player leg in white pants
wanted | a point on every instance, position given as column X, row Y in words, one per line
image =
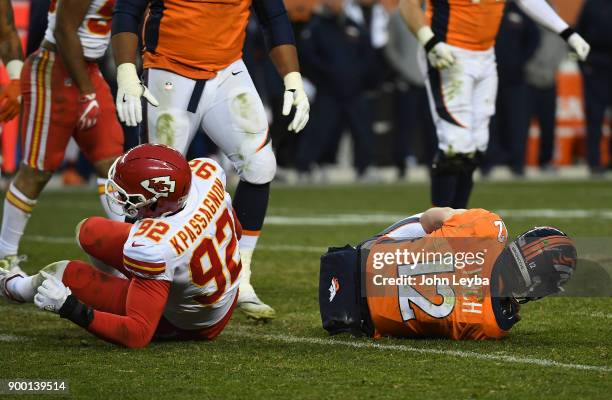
column 484, row 98
column 229, row 110
column 462, row 101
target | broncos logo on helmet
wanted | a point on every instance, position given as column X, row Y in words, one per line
column 538, row 263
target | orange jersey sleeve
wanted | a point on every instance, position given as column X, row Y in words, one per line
column 455, row 311
column 468, row 24
column 195, row 38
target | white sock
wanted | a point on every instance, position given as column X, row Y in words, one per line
column 17, row 210
column 247, row 244
column 245, row 277
column 109, row 213
column 248, row 241
column 24, row 289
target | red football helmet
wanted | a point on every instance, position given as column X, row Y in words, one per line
column 149, row 181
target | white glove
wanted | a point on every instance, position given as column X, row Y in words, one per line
column 439, row 53
column 129, row 91
column 579, row 45
column 296, row 96
column 52, row 294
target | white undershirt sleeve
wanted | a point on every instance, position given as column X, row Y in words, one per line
column 542, row 13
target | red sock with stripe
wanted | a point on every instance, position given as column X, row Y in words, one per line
column 17, row 210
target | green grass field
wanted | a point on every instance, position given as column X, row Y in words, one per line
column 561, row 349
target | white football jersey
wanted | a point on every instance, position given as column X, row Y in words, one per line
column 95, row 29
column 195, row 249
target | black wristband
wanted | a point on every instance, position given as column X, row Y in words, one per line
column 431, row 43
column 567, row 33
column 76, row 311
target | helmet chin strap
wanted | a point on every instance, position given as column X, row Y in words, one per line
column 521, row 298
column 520, row 262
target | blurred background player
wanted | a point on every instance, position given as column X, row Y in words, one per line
column 595, row 24
column 516, row 42
column 541, row 76
column 459, row 61
column 339, row 57
column 181, row 256
column 64, row 96
column 196, row 78
column 412, row 118
column 534, row 265
column 12, row 57
column 37, row 24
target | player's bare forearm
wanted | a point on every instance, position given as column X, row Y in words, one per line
column 71, row 52
column 10, row 45
column 413, row 15
column 435, row 217
column 125, row 47
column 285, row 59
column 70, row 15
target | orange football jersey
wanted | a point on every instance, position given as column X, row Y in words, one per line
column 456, row 311
column 469, row 24
column 195, row 38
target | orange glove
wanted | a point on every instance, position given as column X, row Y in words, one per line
column 10, row 101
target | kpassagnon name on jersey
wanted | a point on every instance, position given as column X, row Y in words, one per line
column 200, row 220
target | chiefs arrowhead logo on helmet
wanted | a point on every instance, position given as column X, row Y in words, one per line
column 149, row 181
column 161, row 186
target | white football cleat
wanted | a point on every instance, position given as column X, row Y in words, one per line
column 11, row 264
column 248, row 302
column 252, row 306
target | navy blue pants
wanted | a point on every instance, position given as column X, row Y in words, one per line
column 543, row 107
column 413, row 125
column 329, row 117
column 597, row 97
column 509, row 128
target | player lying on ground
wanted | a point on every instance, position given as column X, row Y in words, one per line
column 451, row 294
column 180, row 257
